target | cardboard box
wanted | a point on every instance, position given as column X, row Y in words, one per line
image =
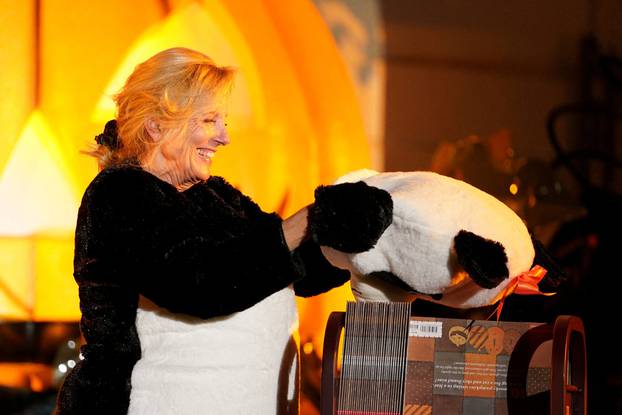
column 461, row 367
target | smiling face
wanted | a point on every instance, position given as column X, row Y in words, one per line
column 183, row 156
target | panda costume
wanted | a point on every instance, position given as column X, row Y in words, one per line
column 187, row 300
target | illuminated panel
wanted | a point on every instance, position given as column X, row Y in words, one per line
column 35, row 281
column 328, row 89
column 34, row 185
column 56, row 295
column 18, row 70
column 16, row 278
column 81, row 45
column 35, row 276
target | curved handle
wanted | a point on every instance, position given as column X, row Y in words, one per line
column 569, row 367
column 328, row 391
column 518, row 368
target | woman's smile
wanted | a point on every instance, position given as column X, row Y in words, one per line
column 206, row 153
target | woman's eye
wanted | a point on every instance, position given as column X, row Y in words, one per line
column 209, row 120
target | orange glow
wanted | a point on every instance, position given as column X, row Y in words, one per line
column 294, row 122
column 17, row 78
column 16, row 280
column 36, row 376
column 317, row 130
column 55, row 299
column 36, row 282
column 35, row 184
column 307, row 348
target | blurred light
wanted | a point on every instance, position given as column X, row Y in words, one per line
column 513, row 188
column 81, row 357
column 62, row 368
column 71, row 363
column 592, row 240
column 307, row 348
column 531, row 201
column 507, row 164
column 71, row 344
column 36, row 384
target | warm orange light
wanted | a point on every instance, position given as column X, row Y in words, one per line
column 513, row 188
column 307, row 348
column 38, row 199
column 36, row 376
column 36, row 280
column 294, row 122
column 17, row 80
column 36, row 189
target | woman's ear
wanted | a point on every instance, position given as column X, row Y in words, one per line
column 153, row 129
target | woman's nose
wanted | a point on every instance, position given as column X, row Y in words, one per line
column 223, row 137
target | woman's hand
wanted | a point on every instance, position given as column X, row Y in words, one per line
column 295, row 228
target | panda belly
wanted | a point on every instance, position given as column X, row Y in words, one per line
column 245, row 363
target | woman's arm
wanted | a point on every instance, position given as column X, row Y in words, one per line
column 350, row 216
column 319, row 275
column 295, row 228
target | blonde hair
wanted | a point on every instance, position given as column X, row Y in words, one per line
column 171, row 87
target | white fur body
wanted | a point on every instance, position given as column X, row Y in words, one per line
column 428, row 212
column 245, row 363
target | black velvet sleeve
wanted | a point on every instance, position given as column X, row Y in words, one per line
column 204, row 261
column 319, row 274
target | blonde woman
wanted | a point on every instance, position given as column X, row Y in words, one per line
column 186, row 286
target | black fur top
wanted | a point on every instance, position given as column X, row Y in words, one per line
column 206, row 252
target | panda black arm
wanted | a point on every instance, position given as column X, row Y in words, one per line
column 350, row 217
column 320, row 275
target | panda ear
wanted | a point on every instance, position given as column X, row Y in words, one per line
column 484, row 260
column 554, row 274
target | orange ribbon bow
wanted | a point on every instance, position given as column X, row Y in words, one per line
column 523, row 284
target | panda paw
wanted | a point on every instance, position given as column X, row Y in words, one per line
column 350, row 217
